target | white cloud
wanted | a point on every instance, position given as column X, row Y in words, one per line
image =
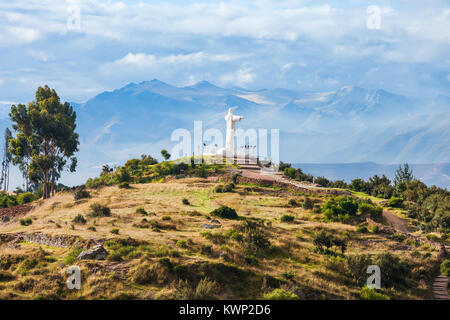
column 142, row 60
column 241, row 77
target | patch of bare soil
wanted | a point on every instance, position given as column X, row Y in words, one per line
column 16, row 211
column 397, row 223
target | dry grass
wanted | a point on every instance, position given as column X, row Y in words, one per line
column 292, row 240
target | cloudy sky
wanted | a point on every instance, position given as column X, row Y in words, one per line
column 401, row 46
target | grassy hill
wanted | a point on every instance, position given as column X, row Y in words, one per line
column 160, row 246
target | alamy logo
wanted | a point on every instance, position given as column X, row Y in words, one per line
column 74, row 280
column 374, row 281
column 373, row 18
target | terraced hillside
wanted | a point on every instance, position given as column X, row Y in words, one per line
column 165, row 241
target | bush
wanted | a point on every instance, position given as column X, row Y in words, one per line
column 79, row 219
column 356, row 266
column 280, row 294
column 254, row 238
column 367, row 293
column 293, row 203
column 445, row 267
column 124, row 185
column 287, row 218
column 361, row 229
column 373, row 211
column 181, row 244
column 288, row 275
column 98, row 210
column 26, row 221
column 218, row 189
column 114, row 231
column 186, row 202
column 393, row 270
column 325, row 239
column 206, row 289
column 141, row 211
column 72, row 256
column 25, row 198
column 324, row 182
column 81, row 193
column 228, row 187
column 395, row 202
column 340, row 208
column 308, row 204
column 224, row 212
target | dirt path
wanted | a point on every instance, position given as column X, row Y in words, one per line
column 440, row 290
column 440, row 283
column 395, row 222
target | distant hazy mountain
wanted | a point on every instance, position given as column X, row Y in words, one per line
column 350, row 124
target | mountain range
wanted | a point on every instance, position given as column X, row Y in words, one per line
column 348, row 125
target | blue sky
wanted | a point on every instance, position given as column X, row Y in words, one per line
column 303, row 45
column 296, row 44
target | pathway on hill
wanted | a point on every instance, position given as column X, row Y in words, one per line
column 440, row 288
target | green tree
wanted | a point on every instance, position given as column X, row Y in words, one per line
column 165, row 154
column 403, row 175
column 46, row 138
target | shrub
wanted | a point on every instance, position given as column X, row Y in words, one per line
column 224, row 212
column 293, row 203
column 141, row 211
column 356, row 266
column 166, row 218
column 25, row 198
column 254, row 238
column 445, row 267
column 399, row 237
column 280, row 294
column 114, row 231
column 81, row 193
column 186, row 202
column 181, row 244
column 72, row 256
column 287, row 218
column 206, row 289
column 124, row 185
column 367, row 293
column 373, row 211
column 361, row 229
column 234, row 234
column 228, row 187
column 26, row 221
column 288, row 275
column 395, row 202
column 340, row 208
column 218, row 189
column 98, row 210
column 308, row 204
column 325, row 239
column 375, row 229
column 393, row 270
column 92, row 228
column 79, row 219
column 324, row 182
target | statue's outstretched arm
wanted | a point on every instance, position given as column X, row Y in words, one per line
column 237, row 118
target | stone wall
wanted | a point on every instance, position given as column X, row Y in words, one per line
column 290, row 186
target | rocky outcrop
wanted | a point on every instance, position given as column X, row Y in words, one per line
column 59, row 241
column 96, row 253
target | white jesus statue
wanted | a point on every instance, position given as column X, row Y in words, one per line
column 231, row 120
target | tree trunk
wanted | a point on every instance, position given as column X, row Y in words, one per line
column 53, row 182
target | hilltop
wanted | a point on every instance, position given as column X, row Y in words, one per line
column 178, row 235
